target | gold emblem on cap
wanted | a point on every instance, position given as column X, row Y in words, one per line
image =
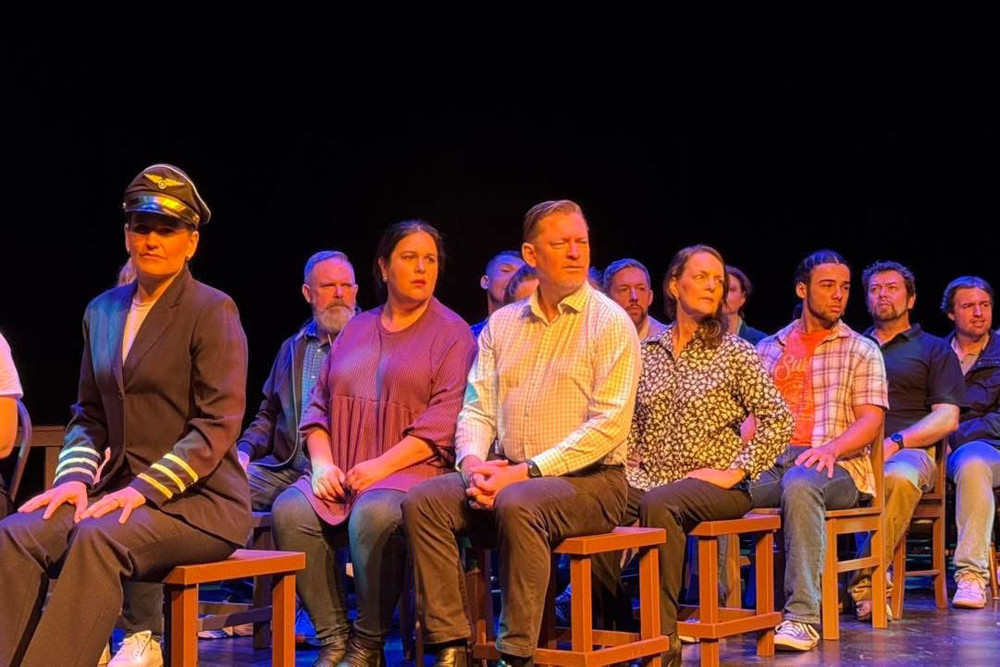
column 162, row 182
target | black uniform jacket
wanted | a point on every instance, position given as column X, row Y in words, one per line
column 171, row 413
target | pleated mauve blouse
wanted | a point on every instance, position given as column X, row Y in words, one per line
column 378, row 386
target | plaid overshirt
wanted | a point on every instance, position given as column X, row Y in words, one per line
column 847, row 371
column 560, row 393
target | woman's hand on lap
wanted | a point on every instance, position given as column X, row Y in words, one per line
column 67, row 492
column 364, row 474
column 126, row 499
column 327, row 482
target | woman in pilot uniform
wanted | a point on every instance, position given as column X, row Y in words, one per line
column 162, row 387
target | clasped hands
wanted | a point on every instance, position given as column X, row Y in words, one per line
column 332, row 484
column 485, row 479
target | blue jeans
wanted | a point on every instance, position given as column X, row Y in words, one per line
column 804, row 496
column 374, row 533
column 975, row 469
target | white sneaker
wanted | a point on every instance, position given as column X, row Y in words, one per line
column 795, row 636
column 138, row 650
column 863, row 610
column 971, row 593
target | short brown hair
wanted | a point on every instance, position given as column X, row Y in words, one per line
column 539, row 212
column 963, row 282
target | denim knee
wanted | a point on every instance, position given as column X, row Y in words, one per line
column 291, row 513
column 972, row 469
column 374, row 514
column 797, row 488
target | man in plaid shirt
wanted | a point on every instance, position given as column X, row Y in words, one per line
column 834, row 381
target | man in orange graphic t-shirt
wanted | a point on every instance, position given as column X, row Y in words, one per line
column 834, row 381
column 793, row 377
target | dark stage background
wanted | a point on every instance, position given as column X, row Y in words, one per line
column 764, row 163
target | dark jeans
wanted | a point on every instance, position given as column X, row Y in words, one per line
column 91, row 560
column 677, row 508
column 378, row 553
column 804, row 495
column 527, row 519
column 143, row 606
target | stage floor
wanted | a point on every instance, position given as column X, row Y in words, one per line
column 926, row 635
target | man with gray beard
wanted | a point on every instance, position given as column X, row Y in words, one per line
column 270, row 450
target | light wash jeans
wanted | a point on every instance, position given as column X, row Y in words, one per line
column 378, row 551
column 804, row 496
column 975, row 469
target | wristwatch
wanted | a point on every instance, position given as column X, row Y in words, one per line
column 533, row 470
column 897, row 438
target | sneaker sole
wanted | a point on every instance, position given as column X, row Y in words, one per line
column 800, row 647
column 968, row 605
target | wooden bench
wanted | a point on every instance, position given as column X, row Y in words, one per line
column 181, row 609
column 710, row 622
column 588, row 646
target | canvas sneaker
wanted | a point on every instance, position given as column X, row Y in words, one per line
column 863, row 610
column 795, row 636
column 138, row 650
column 971, row 593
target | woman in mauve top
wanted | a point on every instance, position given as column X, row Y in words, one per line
column 381, row 419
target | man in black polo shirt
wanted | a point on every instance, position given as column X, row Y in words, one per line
column 926, row 394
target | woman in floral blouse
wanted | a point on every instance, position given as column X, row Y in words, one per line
column 688, row 462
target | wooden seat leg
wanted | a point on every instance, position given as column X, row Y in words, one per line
column 830, row 587
column 898, row 579
column 182, row 626
column 734, row 597
column 880, row 619
column 939, row 545
column 261, row 599
column 649, row 595
column 764, row 594
column 994, row 584
column 582, row 615
column 708, row 595
column 283, row 621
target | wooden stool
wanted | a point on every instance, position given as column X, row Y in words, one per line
column 614, row 646
column 218, row 615
column 713, row 623
column 931, row 509
column 181, row 617
column 864, row 519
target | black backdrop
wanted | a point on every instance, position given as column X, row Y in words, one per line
column 764, row 161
